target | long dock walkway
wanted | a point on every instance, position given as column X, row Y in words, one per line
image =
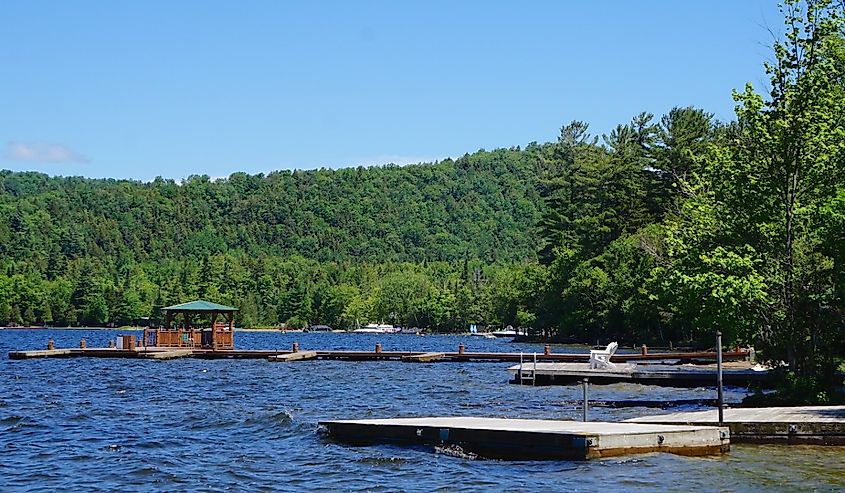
column 652, row 374
column 526, row 439
column 809, row 424
column 375, row 355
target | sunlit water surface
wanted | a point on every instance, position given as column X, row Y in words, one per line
column 88, row 424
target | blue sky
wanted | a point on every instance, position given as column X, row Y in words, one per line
column 137, row 90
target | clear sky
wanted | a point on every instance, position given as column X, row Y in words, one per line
column 174, row 88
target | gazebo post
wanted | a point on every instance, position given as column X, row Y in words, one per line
column 213, row 337
column 187, row 328
column 214, row 330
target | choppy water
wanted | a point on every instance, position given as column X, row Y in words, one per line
column 90, row 424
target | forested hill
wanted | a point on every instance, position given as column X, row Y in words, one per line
column 480, row 206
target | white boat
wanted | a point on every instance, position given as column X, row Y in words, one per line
column 507, row 332
column 376, row 329
column 486, row 335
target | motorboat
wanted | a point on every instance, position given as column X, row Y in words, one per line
column 376, row 329
column 506, row 332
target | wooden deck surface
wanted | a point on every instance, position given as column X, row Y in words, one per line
column 808, row 424
column 368, row 355
column 423, row 357
column 649, row 374
column 533, row 438
column 297, row 356
column 170, row 354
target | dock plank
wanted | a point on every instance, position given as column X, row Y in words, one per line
column 807, row 424
column 297, row 356
column 522, row 439
column 165, row 355
column 665, row 375
column 423, row 357
column 45, row 353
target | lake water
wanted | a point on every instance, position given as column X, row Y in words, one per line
column 89, row 424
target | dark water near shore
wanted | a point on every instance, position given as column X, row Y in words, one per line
column 89, row 424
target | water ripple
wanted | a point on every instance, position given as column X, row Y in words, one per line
column 248, row 425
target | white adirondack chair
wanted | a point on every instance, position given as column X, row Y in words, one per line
column 600, row 358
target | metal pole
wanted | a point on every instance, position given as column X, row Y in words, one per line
column 585, row 402
column 719, row 377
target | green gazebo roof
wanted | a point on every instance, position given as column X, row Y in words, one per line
column 200, row 306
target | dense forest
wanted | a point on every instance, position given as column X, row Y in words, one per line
column 664, row 230
column 322, row 246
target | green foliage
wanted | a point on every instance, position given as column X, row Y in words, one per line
column 600, row 236
column 797, row 390
column 753, row 250
column 414, row 245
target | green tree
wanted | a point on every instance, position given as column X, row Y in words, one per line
column 749, row 240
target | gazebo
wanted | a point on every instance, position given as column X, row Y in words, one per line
column 182, row 330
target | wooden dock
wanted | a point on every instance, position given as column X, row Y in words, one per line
column 664, row 375
column 822, row 425
column 533, row 439
column 409, row 356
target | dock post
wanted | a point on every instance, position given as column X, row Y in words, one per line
column 378, row 347
column 461, row 348
column 520, row 367
column 644, row 350
column 719, row 377
column 295, row 347
column 534, row 371
column 585, row 404
column 50, row 345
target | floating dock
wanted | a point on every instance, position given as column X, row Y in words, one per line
column 664, row 375
column 818, row 425
column 533, row 439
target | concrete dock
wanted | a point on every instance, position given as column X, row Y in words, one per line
column 533, row 439
column 819, row 425
column 651, row 374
